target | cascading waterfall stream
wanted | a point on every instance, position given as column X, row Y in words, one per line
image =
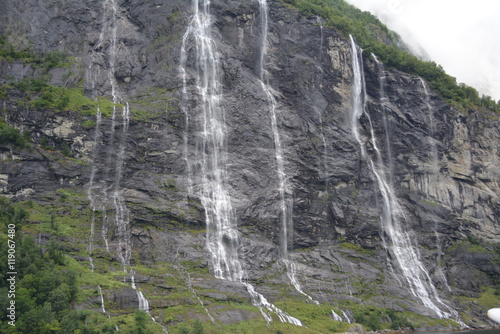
column 320, row 118
column 393, row 217
column 383, row 102
column 103, row 310
column 187, row 278
column 143, row 302
column 286, row 238
column 113, row 193
column 336, row 317
column 206, row 169
column 122, row 219
column 432, row 127
column 91, row 198
column 347, row 317
column 434, row 170
column 321, row 36
column 285, row 196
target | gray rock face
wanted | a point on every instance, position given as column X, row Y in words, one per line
column 450, row 197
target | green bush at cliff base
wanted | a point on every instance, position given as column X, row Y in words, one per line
column 373, row 36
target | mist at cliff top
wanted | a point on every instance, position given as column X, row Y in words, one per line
column 460, row 35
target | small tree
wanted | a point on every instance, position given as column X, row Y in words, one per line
column 198, row 327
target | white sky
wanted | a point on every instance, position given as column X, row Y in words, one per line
column 461, row 35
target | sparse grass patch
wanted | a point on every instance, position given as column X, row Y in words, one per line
column 488, row 298
column 88, row 124
column 153, row 104
column 39, row 94
column 356, row 248
column 317, row 317
column 429, row 202
column 92, row 279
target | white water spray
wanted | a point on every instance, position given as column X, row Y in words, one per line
column 434, row 170
column 432, row 128
column 347, row 317
column 113, row 194
column 103, row 310
column 393, row 217
column 320, row 22
column 336, row 317
column 91, row 198
column 143, row 302
column 207, row 172
column 286, row 200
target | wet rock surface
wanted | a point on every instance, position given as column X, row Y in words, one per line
column 451, row 199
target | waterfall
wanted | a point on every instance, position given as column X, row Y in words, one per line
column 207, row 165
column 90, row 193
column 286, row 200
column 210, row 155
column 121, row 212
column 318, row 19
column 347, row 317
column 432, row 130
column 104, row 230
column 112, row 194
column 383, row 102
column 434, row 170
column 292, row 275
column 103, row 310
column 190, row 286
column 336, row 317
column 122, row 219
column 143, row 302
column 397, row 239
column 285, row 193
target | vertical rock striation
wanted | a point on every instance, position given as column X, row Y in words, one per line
column 199, row 145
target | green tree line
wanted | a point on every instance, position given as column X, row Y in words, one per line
column 373, row 36
column 46, row 290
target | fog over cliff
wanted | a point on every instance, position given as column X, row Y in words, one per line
column 460, row 35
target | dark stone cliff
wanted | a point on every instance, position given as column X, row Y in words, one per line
column 443, row 162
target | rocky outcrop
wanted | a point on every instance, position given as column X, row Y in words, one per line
column 443, row 162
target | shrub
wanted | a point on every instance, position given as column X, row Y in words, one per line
column 10, row 135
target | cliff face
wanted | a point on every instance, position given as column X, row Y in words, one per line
column 137, row 174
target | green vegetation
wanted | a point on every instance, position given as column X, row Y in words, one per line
column 44, row 288
column 47, row 61
column 89, row 124
column 10, row 135
column 429, row 202
column 471, row 245
column 489, row 298
column 375, row 319
column 8, row 52
column 373, row 36
column 49, row 283
column 39, row 94
column 153, row 104
column 62, row 217
column 357, row 248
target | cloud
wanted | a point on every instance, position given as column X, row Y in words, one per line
column 460, row 35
